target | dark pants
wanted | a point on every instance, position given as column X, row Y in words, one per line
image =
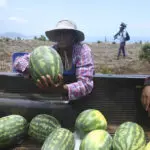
column 122, row 48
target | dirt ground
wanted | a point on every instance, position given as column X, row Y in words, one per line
column 105, row 56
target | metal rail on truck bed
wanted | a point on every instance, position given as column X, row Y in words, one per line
column 116, row 96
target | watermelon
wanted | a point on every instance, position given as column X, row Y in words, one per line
column 45, row 60
column 97, row 140
column 129, row 136
column 88, row 120
column 147, row 146
column 13, row 128
column 59, row 139
column 41, row 126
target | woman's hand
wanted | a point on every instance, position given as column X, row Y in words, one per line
column 146, row 98
column 46, row 82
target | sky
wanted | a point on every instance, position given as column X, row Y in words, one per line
column 94, row 17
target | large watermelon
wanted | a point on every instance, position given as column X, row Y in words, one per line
column 45, row 60
column 147, row 146
column 97, row 140
column 41, row 126
column 59, row 139
column 88, row 120
column 13, row 128
column 129, row 136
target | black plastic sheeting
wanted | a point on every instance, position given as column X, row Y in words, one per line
column 116, row 96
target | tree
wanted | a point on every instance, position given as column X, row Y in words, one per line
column 42, row 38
column 35, row 38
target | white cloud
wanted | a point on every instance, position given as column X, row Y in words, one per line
column 20, row 9
column 18, row 19
column 3, row 3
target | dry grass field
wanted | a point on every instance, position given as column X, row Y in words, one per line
column 105, row 56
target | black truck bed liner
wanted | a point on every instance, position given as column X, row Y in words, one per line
column 116, row 96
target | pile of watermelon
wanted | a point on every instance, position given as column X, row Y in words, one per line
column 90, row 125
column 43, row 128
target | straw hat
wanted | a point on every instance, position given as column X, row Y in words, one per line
column 64, row 25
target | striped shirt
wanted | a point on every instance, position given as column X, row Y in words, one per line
column 84, row 70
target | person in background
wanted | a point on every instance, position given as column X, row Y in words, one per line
column 123, row 36
column 76, row 57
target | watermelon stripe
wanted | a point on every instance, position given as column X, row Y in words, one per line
column 45, row 123
column 53, row 137
column 52, row 66
column 47, row 119
column 139, row 138
column 42, row 131
column 57, row 64
column 38, row 52
column 72, row 138
column 67, row 142
column 33, row 73
column 134, row 132
column 39, row 67
column 64, row 139
column 38, row 136
column 127, row 134
column 34, row 67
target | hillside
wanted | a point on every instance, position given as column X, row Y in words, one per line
column 105, row 56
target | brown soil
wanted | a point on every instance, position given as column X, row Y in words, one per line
column 105, row 56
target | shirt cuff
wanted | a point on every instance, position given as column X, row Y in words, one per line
column 21, row 65
column 71, row 96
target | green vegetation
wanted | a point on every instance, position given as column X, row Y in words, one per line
column 145, row 52
column 41, row 38
column 99, row 41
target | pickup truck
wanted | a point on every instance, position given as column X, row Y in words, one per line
column 116, row 96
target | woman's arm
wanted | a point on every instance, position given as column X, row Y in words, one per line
column 84, row 74
column 21, row 64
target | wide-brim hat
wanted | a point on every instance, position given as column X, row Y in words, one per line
column 65, row 25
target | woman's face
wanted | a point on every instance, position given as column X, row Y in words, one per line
column 65, row 38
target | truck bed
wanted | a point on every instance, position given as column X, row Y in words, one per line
column 116, row 96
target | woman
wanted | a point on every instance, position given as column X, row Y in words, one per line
column 76, row 57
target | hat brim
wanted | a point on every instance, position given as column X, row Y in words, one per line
column 51, row 34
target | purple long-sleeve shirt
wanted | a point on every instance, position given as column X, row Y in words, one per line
column 83, row 60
